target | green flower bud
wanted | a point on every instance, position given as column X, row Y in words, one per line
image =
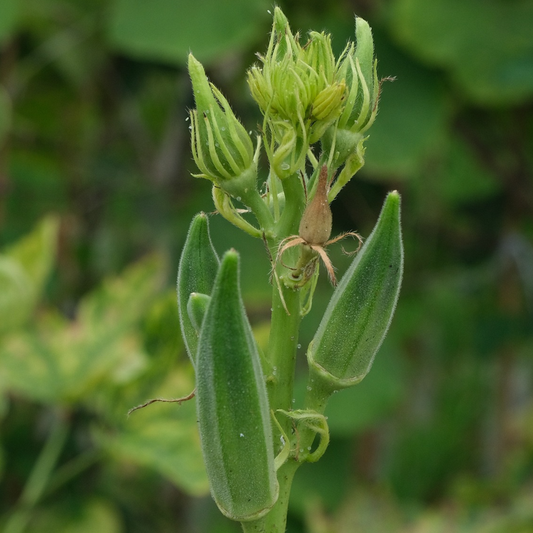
column 361, row 309
column 197, row 269
column 297, row 92
column 233, row 410
column 327, row 106
column 358, row 68
column 319, row 58
column 221, row 147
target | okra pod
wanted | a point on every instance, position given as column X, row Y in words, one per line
column 233, row 410
column 361, row 309
column 196, row 273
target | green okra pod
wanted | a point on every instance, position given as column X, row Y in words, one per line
column 196, row 273
column 233, row 410
column 196, row 309
column 361, row 309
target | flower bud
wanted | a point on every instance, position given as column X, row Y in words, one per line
column 221, row 147
column 327, row 106
column 197, row 269
column 297, row 93
column 361, row 309
column 233, row 410
column 357, row 67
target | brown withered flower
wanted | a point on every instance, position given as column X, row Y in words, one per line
column 315, row 231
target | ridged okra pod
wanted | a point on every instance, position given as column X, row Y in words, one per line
column 196, row 273
column 361, row 308
column 233, row 411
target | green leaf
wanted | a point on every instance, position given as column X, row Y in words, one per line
column 62, row 361
column 361, row 308
column 24, row 268
column 78, row 517
column 5, row 112
column 233, row 410
column 167, row 30
column 9, row 13
column 486, row 45
column 413, row 117
column 464, row 178
column 163, row 437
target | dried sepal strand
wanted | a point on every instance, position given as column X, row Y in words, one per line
column 233, row 411
column 361, row 308
column 197, row 269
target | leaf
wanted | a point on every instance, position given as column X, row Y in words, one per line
column 413, row 117
column 463, row 177
column 9, row 13
column 79, row 517
column 5, row 111
column 163, row 437
column 486, row 45
column 24, row 268
column 62, row 361
column 167, row 30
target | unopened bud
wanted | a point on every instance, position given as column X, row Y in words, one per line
column 221, row 147
column 358, row 69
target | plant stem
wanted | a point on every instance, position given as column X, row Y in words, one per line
column 294, row 207
column 282, row 348
column 39, row 476
column 276, row 520
column 254, row 201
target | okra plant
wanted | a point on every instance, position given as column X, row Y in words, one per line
column 316, row 111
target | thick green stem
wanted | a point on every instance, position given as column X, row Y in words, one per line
column 282, row 347
column 294, row 207
column 39, row 476
column 276, row 520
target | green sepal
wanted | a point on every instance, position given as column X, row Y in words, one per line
column 196, row 308
column 197, row 270
column 317, row 424
column 361, row 308
column 233, row 410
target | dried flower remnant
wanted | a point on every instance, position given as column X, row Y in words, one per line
column 314, row 232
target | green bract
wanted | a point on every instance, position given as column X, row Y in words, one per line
column 196, row 273
column 233, row 410
column 360, row 311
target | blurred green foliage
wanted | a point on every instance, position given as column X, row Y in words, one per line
column 95, row 200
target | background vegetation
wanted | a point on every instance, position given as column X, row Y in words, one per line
column 95, row 200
